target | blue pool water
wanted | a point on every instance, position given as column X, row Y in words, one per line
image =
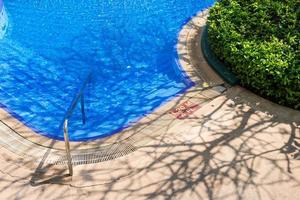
column 129, row 46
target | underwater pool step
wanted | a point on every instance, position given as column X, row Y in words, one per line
column 38, row 82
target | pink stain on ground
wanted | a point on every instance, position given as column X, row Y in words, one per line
column 184, row 110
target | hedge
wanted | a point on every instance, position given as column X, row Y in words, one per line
column 259, row 41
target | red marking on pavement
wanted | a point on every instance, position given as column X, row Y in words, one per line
column 184, row 110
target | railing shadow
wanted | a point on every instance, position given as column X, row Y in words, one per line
column 236, row 146
column 40, row 177
column 221, row 153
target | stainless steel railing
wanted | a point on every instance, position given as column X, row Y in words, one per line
column 79, row 96
column 67, row 145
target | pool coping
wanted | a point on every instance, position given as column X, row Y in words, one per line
column 193, row 63
column 152, row 167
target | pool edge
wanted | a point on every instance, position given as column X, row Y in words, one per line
column 202, row 75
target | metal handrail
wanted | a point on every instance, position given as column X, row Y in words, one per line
column 79, row 96
column 67, row 145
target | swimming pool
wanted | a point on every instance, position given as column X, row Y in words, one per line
column 128, row 47
column 3, row 20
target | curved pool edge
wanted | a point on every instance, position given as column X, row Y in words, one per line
column 190, row 56
column 141, row 132
column 172, row 140
column 214, row 61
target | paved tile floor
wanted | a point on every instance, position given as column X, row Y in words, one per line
column 238, row 146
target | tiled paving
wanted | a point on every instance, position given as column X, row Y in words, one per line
column 235, row 145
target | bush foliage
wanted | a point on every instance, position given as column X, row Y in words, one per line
column 259, row 41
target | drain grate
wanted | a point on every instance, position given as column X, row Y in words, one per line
column 97, row 156
column 143, row 134
column 101, row 154
column 128, row 145
column 146, row 133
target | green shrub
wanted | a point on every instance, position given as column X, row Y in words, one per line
column 259, row 41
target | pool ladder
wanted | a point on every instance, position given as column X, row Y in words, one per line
column 78, row 97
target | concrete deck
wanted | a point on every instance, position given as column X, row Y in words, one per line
column 236, row 145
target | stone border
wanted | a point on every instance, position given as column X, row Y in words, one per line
column 21, row 140
column 214, row 61
column 190, row 54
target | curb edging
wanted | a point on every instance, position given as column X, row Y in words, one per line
column 214, row 62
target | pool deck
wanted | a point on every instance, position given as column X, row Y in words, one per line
column 231, row 145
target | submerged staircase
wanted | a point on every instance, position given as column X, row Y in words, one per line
column 44, row 86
